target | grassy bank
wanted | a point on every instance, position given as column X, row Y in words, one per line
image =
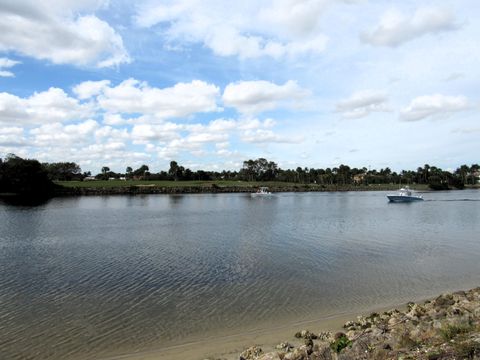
column 155, row 187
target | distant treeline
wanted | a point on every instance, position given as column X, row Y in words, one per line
column 264, row 170
column 20, row 175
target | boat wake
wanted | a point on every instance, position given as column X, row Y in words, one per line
column 454, row 200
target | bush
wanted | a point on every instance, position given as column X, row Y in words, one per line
column 340, row 343
column 448, row 332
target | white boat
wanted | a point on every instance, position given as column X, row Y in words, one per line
column 262, row 191
column 404, row 195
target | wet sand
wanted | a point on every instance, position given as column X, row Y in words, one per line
column 229, row 347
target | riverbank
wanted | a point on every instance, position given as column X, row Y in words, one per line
column 119, row 187
column 445, row 327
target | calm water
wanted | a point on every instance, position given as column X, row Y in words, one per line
column 94, row 276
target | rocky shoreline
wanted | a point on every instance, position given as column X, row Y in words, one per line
column 447, row 327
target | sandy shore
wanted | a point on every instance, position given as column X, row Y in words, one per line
column 446, row 327
column 229, row 347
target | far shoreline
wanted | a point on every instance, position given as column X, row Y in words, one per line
column 208, row 187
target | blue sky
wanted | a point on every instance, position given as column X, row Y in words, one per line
column 311, row 83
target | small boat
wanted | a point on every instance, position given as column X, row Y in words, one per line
column 404, row 195
column 262, row 191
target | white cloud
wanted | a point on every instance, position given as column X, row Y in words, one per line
column 248, row 29
column 207, row 137
column 183, row 99
column 60, row 32
column 53, row 105
column 268, row 136
column 258, row 96
column 169, row 140
column 433, row 106
column 88, row 89
column 395, row 28
column 115, row 119
column 59, row 135
column 108, row 132
column 144, row 133
column 6, row 63
column 12, row 136
column 363, row 103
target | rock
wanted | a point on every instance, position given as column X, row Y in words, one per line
column 324, row 353
column 325, row 336
column 444, row 301
column 297, row 354
column 284, row 346
column 270, row 356
column 252, row 353
column 306, row 334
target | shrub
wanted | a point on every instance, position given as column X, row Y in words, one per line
column 340, row 343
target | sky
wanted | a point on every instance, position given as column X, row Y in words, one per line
column 212, row 83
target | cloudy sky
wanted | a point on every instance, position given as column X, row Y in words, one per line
column 211, row 83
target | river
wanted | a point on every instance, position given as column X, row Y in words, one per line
column 94, row 277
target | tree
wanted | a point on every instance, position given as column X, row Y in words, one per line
column 141, row 172
column 128, row 172
column 176, row 171
column 63, row 171
column 259, row 170
column 25, row 177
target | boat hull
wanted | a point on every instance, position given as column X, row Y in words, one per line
column 399, row 198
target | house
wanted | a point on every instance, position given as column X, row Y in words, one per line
column 357, row 179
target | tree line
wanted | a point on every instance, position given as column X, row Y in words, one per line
column 14, row 171
column 263, row 170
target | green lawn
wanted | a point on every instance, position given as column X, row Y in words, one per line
column 223, row 183
column 122, row 183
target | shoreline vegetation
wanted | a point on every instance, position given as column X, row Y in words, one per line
column 29, row 179
column 119, row 187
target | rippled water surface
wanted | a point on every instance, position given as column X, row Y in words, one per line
column 89, row 277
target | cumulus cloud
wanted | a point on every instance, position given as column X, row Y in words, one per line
column 12, row 136
column 63, row 32
column 6, row 63
column 53, row 105
column 183, row 99
column 59, row 135
column 258, row 96
column 363, row 103
column 395, row 28
column 89, row 89
column 268, row 136
column 433, row 106
column 144, row 133
column 247, row 29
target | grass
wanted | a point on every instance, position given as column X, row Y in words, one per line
column 449, row 331
column 219, row 183
column 166, row 183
